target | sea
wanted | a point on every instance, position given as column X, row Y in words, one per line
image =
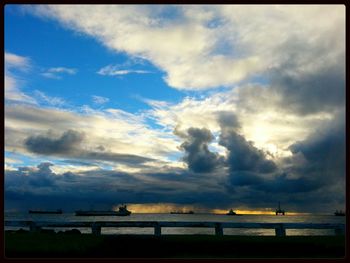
column 69, row 217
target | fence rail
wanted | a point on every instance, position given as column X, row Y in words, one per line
column 280, row 228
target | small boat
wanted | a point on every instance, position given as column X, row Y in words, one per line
column 339, row 213
column 58, row 211
column 182, row 212
column 231, row 213
column 123, row 211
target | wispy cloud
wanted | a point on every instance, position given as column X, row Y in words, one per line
column 115, row 70
column 54, row 101
column 70, row 71
column 15, row 66
column 56, row 73
column 99, row 99
column 16, row 61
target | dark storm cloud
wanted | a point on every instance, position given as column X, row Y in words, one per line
column 284, row 185
column 243, row 156
column 30, row 184
column 279, row 184
column 310, row 79
column 227, row 119
column 41, row 176
column 197, row 155
column 103, row 189
column 324, row 151
column 322, row 90
column 315, row 171
column 70, row 201
column 311, row 180
column 317, row 183
column 69, row 145
column 307, row 81
column 244, row 178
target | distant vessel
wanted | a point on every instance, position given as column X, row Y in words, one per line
column 182, row 212
column 123, row 211
column 279, row 211
column 58, row 211
column 339, row 213
column 231, row 213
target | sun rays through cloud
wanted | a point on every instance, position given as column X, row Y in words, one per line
column 175, row 107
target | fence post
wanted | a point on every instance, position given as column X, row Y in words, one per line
column 33, row 227
column 96, row 229
column 218, row 229
column 280, row 231
column 157, row 230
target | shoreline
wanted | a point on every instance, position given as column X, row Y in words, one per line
column 75, row 245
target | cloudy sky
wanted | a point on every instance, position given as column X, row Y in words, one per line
column 163, row 107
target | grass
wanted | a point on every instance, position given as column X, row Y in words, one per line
column 51, row 245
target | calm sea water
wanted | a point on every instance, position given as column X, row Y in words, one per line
column 68, row 217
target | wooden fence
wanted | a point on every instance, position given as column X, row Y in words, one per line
column 280, row 228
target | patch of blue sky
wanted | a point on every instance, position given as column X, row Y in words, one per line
column 19, row 160
column 75, row 162
column 125, row 91
column 106, row 167
column 215, row 23
column 205, row 93
column 50, row 45
column 175, row 156
column 152, row 123
column 168, row 13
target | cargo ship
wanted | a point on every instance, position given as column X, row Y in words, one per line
column 339, row 213
column 123, row 211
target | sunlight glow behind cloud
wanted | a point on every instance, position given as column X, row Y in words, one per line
column 177, row 107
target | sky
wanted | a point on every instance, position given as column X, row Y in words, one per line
column 166, row 107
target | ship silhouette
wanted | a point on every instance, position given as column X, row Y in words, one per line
column 279, row 211
column 339, row 213
column 123, row 211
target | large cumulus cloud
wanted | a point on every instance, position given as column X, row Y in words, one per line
column 243, row 156
column 201, row 47
column 314, row 171
column 198, row 157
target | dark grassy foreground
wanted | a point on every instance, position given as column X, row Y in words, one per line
column 51, row 245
